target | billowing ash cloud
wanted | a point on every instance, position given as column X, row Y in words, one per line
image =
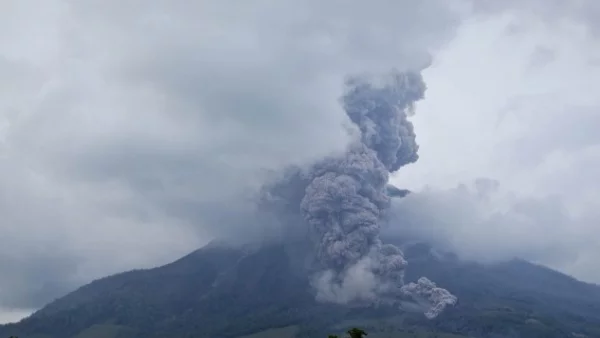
column 380, row 111
column 426, row 292
column 344, row 197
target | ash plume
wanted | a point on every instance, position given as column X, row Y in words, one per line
column 343, row 198
column 435, row 299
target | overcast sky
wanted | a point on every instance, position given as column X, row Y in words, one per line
column 132, row 133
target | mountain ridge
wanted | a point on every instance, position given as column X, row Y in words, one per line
column 221, row 291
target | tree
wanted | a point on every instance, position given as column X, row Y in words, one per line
column 352, row 333
column 356, row 333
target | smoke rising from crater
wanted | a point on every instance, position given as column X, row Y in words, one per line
column 344, row 197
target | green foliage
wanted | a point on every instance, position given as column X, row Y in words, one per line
column 356, row 333
column 352, row 333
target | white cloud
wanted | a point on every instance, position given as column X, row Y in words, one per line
column 12, row 315
column 497, row 109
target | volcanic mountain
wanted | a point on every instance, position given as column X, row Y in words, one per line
column 226, row 291
column 341, row 273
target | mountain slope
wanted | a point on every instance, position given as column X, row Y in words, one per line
column 223, row 292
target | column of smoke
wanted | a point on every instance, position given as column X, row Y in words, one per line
column 343, row 198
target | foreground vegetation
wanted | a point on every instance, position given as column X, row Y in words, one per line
column 353, row 333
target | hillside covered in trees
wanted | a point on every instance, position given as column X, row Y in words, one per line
column 219, row 291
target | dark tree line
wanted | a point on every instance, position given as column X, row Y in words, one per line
column 353, row 333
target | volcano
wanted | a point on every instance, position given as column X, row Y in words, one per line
column 332, row 269
column 259, row 291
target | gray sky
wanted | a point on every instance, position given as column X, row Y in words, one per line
column 132, row 133
column 511, row 99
